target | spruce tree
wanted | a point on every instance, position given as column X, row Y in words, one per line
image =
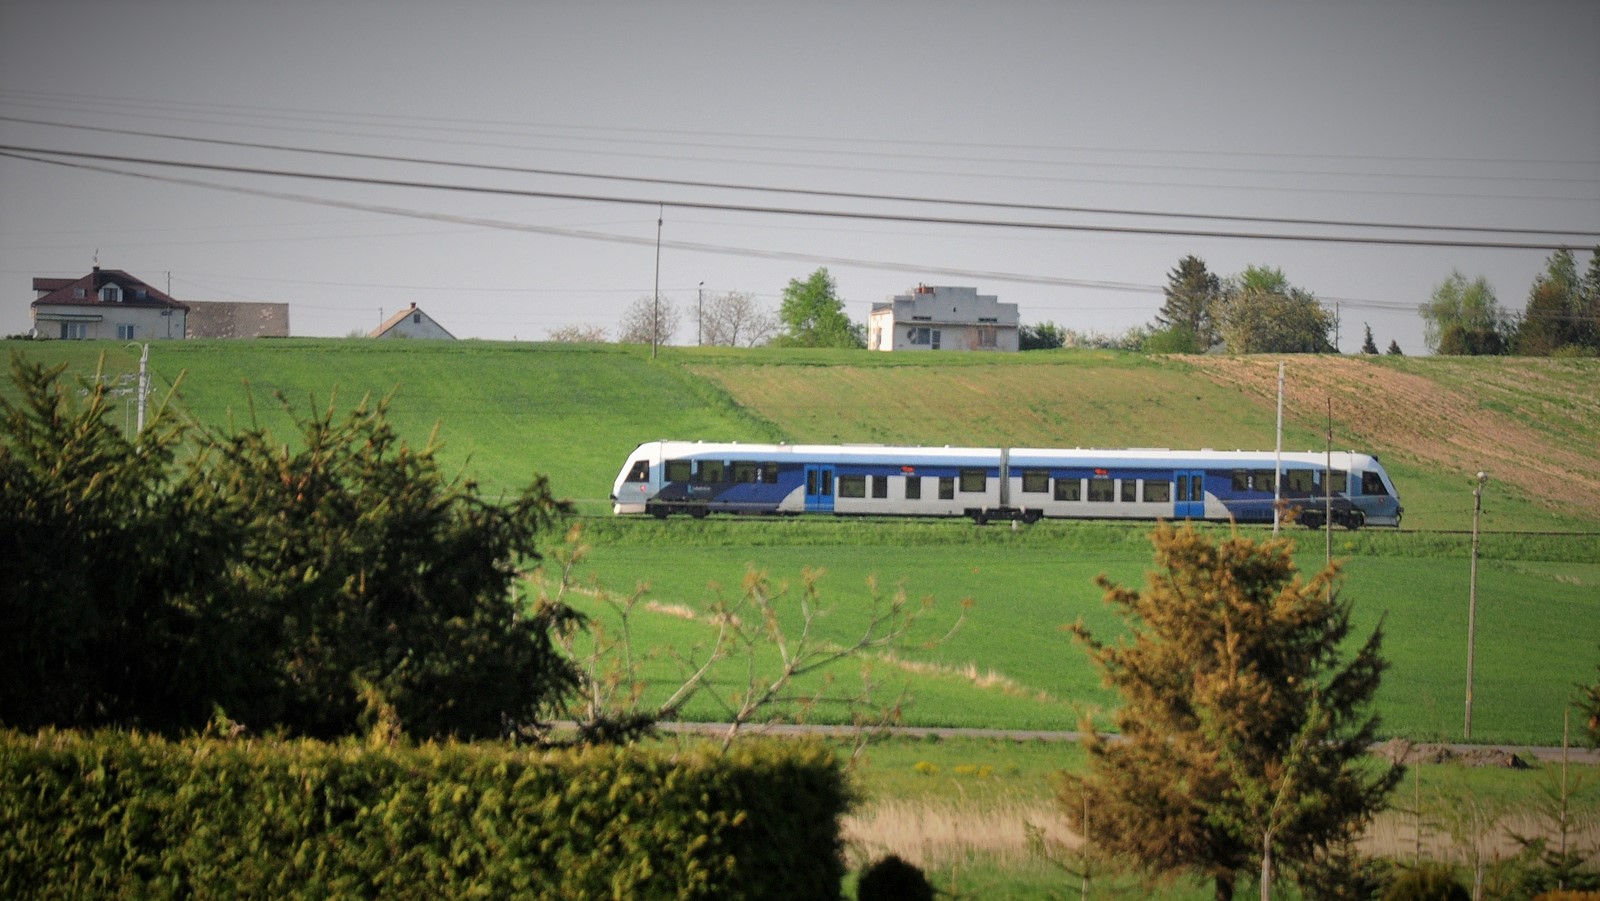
column 1369, row 346
column 1244, row 729
column 1193, row 293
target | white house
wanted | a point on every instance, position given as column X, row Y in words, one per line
column 106, row 303
column 939, row 317
column 410, row 323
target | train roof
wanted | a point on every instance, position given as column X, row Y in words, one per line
column 1019, row 456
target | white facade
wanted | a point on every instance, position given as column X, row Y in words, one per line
column 105, row 304
column 940, row 317
column 411, row 323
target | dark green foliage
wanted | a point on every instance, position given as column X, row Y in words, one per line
column 1244, row 729
column 1043, row 336
column 1588, row 705
column 1193, row 295
column 106, row 616
column 380, row 570
column 277, row 581
column 1468, row 315
column 813, row 315
column 1261, row 312
column 118, row 815
column 1368, row 346
column 1428, row 882
column 892, row 879
column 1394, row 349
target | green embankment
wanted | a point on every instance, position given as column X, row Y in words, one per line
column 507, row 411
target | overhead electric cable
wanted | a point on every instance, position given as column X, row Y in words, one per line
column 23, row 153
column 804, row 192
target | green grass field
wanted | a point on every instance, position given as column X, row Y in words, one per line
column 505, row 412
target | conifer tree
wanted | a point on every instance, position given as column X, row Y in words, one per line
column 1369, row 346
column 1243, row 727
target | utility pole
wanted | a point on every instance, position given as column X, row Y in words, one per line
column 144, row 388
column 1472, row 598
column 1277, row 474
column 655, row 313
column 1327, row 487
column 700, row 315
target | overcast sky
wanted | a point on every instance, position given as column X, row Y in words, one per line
column 1137, row 132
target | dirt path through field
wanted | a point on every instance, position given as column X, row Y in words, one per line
column 1421, row 420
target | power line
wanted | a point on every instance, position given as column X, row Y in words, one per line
column 804, row 192
column 20, row 152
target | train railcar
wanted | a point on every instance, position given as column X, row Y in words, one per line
column 989, row 483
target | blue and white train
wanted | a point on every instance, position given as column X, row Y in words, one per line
column 991, row 483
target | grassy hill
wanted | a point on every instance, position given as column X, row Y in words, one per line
column 506, row 411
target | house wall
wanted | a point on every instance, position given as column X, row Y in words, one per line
column 416, row 324
column 962, row 318
column 102, row 322
column 238, row 320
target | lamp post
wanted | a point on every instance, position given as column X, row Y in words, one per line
column 1472, row 597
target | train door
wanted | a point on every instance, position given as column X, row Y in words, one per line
column 819, row 488
column 1189, row 498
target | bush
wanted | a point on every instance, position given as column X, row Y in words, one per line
column 892, row 879
column 120, row 815
column 1428, row 882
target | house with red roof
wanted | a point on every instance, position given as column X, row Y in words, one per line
column 106, row 303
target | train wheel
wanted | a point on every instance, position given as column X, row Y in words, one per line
column 699, row 512
column 1355, row 519
column 979, row 517
column 1311, row 520
column 1032, row 516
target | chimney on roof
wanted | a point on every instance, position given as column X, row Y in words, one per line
column 413, row 305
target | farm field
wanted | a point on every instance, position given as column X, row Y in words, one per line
column 506, row 412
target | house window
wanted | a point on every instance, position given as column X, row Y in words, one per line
column 111, row 294
column 1069, row 489
column 919, row 336
column 416, row 318
column 986, row 336
column 913, row 488
column 79, row 293
column 74, row 331
column 124, row 332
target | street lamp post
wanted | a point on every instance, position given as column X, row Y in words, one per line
column 1472, row 597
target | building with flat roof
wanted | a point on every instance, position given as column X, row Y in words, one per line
column 941, row 317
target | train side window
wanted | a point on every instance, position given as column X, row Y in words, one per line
column 679, row 470
column 1035, row 481
column 947, row 488
column 744, row 472
column 1372, row 483
column 640, row 471
column 1261, row 479
column 1130, row 491
column 1241, row 480
column 1069, row 489
column 769, row 473
column 1341, row 481
column 1102, row 491
column 913, row 488
column 1299, row 481
column 710, row 472
column 974, row 481
column 1158, row 492
column 852, row 486
column 880, row 486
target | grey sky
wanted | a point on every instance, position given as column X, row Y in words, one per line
column 1476, row 114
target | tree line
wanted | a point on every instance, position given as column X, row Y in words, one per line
column 1255, row 311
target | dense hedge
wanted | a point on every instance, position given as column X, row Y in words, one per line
column 119, row 815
